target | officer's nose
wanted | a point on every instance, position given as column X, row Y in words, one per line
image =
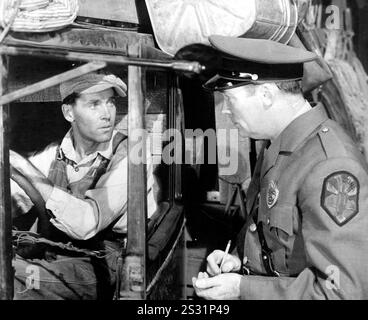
column 225, row 108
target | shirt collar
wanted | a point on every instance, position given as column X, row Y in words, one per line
column 104, row 149
column 302, row 127
column 294, row 134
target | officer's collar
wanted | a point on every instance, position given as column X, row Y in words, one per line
column 294, row 134
column 302, row 127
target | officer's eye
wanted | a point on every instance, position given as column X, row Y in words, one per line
column 226, row 98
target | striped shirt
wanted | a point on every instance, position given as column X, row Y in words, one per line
column 82, row 218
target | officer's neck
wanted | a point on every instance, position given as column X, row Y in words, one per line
column 295, row 109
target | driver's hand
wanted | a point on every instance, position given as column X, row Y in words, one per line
column 214, row 260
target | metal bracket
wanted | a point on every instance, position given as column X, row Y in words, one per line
column 177, row 65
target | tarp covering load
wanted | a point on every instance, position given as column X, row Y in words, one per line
column 177, row 23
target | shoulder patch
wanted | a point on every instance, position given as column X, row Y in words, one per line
column 340, row 196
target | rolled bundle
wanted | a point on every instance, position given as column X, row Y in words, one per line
column 177, row 23
column 37, row 15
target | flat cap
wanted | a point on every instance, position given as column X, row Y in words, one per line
column 92, row 83
column 255, row 61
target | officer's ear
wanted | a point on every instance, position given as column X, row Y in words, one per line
column 267, row 94
column 68, row 112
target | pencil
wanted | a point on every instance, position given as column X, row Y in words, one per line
column 225, row 255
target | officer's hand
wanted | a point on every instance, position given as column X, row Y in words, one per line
column 222, row 287
column 214, row 260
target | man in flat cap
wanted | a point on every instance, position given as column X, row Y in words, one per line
column 306, row 230
column 83, row 185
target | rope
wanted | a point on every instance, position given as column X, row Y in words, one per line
column 351, row 78
column 23, row 237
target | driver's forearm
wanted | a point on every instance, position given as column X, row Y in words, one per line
column 38, row 180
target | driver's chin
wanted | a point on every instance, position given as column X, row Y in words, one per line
column 102, row 138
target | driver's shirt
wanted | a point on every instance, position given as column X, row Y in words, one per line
column 82, row 217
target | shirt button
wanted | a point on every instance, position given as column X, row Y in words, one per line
column 325, row 130
column 253, row 227
column 76, row 169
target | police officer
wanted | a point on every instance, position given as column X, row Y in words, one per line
column 306, row 230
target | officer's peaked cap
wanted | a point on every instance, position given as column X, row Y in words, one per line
column 254, row 61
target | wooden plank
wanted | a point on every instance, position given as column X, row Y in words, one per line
column 95, row 40
column 41, row 69
column 179, row 124
column 50, row 82
column 134, row 270
column 117, row 10
column 6, row 250
column 150, row 52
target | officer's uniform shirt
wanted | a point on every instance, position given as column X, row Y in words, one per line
column 306, row 234
column 313, row 211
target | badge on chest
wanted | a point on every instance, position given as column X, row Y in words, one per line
column 272, row 194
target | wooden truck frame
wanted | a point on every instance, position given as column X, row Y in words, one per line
column 151, row 245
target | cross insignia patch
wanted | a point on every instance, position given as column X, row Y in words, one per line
column 340, row 197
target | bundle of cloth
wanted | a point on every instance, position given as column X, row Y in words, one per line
column 345, row 96
column 177, row 23
column 37, row 15
column 351, row 78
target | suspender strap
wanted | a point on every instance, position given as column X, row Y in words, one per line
column 266, row 253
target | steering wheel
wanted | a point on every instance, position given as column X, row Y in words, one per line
column 43, row 224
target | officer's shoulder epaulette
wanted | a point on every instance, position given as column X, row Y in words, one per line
column 333, row 140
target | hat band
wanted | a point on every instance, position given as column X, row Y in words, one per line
column 220, row 83
column 228, row 80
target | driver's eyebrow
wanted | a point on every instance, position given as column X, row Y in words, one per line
column 93, row 100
